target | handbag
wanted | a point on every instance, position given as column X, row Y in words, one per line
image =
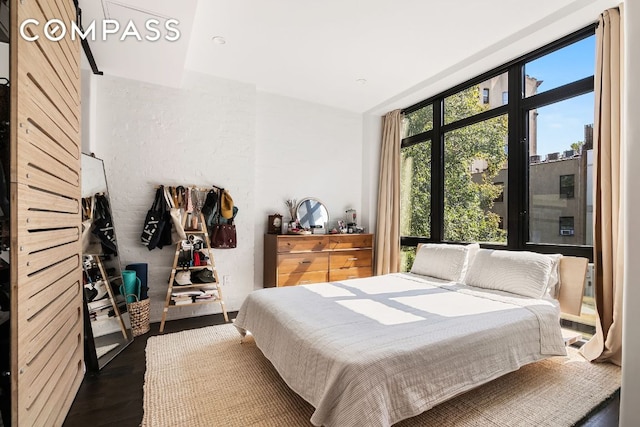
column 175, row 214
column 154, row 221
column 223, row 231
column 223, row 236
column 90, row 242
column 209, row 209
column 103, row 225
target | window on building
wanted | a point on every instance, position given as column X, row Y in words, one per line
column 505, row 98
column 566, row 226
column 500, row 198
column 567, row 185
column 485, row 95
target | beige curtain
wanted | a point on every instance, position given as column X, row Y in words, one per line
column 608, row 237
column 388, row 218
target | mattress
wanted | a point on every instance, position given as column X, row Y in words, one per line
column 375, row 351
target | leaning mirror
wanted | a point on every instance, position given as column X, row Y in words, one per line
column 312, row 213
column 107, row 324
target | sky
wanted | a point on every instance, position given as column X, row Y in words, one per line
column 561, row 124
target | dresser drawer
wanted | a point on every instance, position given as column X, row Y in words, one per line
column 349, row 273
column 302, row 244
column 349, row 259
column 302, row 263
column 348, row 241
column 302, row 278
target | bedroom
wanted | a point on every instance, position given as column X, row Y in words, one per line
column 261, row 128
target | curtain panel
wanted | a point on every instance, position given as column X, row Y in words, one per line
column 606, row 344
column 388, row 214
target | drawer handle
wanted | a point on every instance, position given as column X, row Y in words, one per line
column 351, row 277
column 305, row 262
column 352, row 259
column 304, row 281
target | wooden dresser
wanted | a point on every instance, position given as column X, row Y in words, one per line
column 300, row 260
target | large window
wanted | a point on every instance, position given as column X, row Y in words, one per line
column 473, row 157
column 504, row 159
column 415, row 185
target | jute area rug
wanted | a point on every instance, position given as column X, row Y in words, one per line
column 206, row 377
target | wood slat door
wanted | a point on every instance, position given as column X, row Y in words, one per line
column 46, row 277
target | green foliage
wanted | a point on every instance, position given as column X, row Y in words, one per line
column 469, row 195
column 407, row 256
column 419, row 121
column 415, row 184
column 577, row 145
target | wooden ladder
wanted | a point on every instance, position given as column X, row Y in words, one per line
column 216, row 285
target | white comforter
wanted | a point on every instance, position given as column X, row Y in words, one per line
column 372, row 352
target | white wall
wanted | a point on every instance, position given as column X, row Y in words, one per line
column 630, row 396
column 88, row 105
column 200, row 134
column 262, row 147
column 4, row 60
column 304, row 150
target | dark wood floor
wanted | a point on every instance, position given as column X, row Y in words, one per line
column 113, row 397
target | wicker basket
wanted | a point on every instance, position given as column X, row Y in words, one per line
column 139, row 316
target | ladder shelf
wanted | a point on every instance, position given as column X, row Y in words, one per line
column 173, row 287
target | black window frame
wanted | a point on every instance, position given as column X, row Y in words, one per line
column 517, row 110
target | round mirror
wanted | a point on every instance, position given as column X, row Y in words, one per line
column 312, row 213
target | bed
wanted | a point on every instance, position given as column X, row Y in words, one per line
column 378, row 350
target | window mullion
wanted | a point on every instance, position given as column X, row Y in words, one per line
column 437, row 173
column 517, row 142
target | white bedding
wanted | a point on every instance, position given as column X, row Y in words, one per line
column 372, row 352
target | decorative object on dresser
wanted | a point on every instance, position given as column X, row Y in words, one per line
column 291, row 205
column 274, row 224
column 297, row 260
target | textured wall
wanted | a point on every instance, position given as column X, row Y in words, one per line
column 200, row 134
column 263, row 148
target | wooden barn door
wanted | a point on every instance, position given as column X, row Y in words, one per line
column 46, row 291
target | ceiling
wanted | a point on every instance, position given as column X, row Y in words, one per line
column 321, row 51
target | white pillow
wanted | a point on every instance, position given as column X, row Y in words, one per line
column 447, row 262
column 553, row 288
column 521, row 273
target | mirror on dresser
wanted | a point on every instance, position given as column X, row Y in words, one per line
column 311, row 213
column 107, row 324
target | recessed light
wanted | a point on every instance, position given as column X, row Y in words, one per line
column 361, row 81
column 218, row 40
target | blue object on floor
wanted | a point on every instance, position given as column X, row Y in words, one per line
column 131, row 286
column 141, row 269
